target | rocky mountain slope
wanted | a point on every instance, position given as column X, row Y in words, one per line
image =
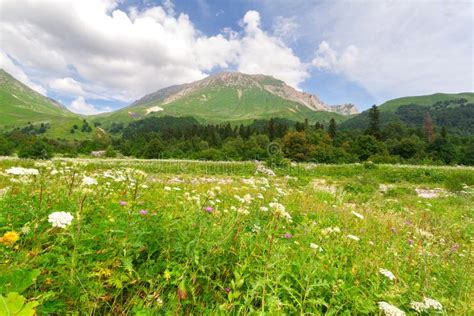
column 233, row 96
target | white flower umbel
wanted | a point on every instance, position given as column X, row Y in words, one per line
column 432, row 303
column 426, row 305
column 353, row 237
column 60, row 219
column 89, row 181
column 280, row 210
column 315, row 247
column 387, row 273
column 18, row 171
column 390, row 310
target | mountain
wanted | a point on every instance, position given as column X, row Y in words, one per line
column 453, row 111
column 232, row 96
column 22, row 107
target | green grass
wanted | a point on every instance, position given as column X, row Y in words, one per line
column 178, row 258
column 20, row 105
column 426, row 100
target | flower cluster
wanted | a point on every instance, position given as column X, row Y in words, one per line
column 387, row 273
column 280, row 211
column 9, row 238
column 390, row 310
column 18, row 171
column 426, row 305
column 60, row 219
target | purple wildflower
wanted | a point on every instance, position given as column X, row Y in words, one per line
column 122, row 203
column 209, row 209
column 288, row 235
column 143, row 212
column 227, row 290
column 454, row 247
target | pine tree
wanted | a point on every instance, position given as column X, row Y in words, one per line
column 374, row 122
column 444, row 132
column 332, row 128
column 271, row 129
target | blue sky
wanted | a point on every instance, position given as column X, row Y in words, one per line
column 100, row 55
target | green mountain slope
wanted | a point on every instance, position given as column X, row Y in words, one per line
column 21, row 106
column 453, row 111
column 232, row 97
column 425, row 100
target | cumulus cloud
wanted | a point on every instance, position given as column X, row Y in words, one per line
column 328, row 59
column 397, row 48
column 67, row 86
column 80, row 106
column 94, row 50
column 262, row 53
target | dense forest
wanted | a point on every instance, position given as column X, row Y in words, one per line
column 416, row 139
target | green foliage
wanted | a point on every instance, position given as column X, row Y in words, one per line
column 17, row 280
column 38, row 149
column 144, row 241
column 6, row 147
column 374, row 122
column 14, row 305
column 110, row 152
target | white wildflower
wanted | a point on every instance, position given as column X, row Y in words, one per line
column 387, row 273
column 18, row 171
column 25, row 230
column 248, row 198
column 427, row 304
column 390, row 310
column 60, row 219
column 264, row 209
column 432, row 303
column 167, row 188
column 256, row 228
column 357, row 215
column 315, row 247
column 89, row 181
column 330, row 230
column 353, row 237
column 280, row 210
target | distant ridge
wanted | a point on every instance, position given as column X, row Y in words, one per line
column 233, row 96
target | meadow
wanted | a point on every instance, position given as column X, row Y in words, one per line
column 152, row 237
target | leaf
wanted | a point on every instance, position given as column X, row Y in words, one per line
column 17, row 280
column 14, row 305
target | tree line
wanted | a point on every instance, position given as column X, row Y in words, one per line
column 274, row 139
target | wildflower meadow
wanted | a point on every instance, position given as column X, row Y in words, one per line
column 137, row 237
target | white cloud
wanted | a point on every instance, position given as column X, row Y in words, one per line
column 67, row 86
column 80, row 106
column 9, row 66
column 398, row 48
column 286, row 29
column 328, row 59
column 261, row 53
column 91, row 49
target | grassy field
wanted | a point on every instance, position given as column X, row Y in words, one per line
column 216, row 238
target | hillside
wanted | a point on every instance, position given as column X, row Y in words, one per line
column 234, row 97
column 22, row 107
column 453, row 111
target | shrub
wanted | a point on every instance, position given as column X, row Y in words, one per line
column 37, row 150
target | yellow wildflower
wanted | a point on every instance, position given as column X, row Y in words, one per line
column 167, row 275
column 9, row 238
